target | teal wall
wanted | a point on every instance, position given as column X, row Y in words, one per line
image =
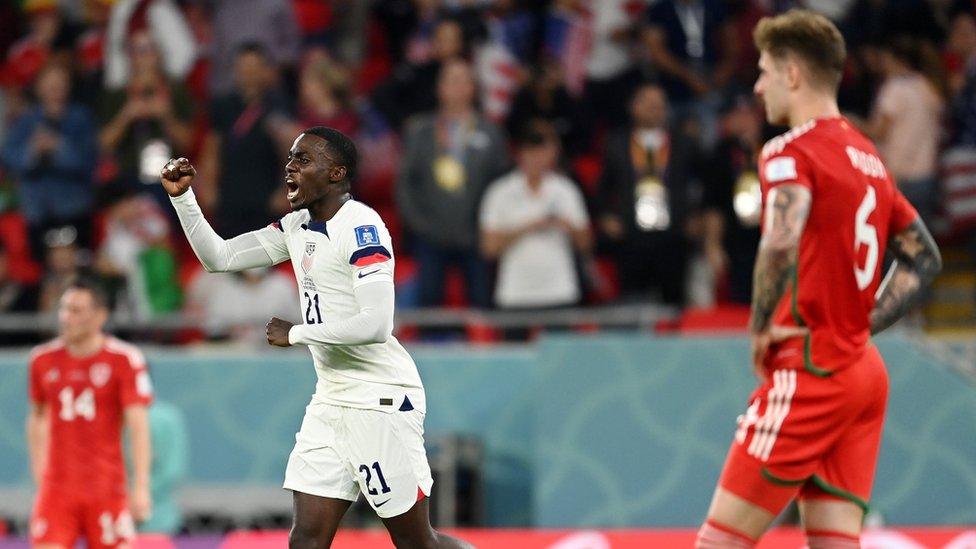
column 598, row 431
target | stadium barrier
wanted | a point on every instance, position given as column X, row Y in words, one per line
column 608, row 431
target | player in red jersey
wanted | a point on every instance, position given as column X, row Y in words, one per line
column 813, row 427
column 83, row 387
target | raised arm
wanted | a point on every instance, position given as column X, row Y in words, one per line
column 917, row 262
column 260, row 248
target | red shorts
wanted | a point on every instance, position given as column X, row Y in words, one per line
column 60, row 517
column 810, row 436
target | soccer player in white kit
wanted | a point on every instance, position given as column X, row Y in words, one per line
column 363, row 429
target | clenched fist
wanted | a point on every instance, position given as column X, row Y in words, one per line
column 177, row 175
column 277, row 332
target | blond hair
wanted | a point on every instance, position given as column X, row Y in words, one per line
column 808, row 36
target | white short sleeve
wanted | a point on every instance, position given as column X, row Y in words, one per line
column 572, row 206
column 368, row 247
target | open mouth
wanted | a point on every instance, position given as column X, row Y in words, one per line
column 292, row 188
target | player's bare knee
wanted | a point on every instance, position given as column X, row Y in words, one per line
column 301, row 537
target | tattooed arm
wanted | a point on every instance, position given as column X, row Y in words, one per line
column 917, row 261
column 787, row 208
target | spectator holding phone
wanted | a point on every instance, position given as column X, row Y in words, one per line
column 533, row 220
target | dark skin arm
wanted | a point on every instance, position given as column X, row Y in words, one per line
column 917, row 262
column 277, row 332
column 785, row 218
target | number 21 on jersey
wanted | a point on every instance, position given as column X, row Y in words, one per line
column 313, row 315
column 865, row 235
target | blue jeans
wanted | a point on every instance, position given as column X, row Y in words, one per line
column 924, row 195
column 434, row 261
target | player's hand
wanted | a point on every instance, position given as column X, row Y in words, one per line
column 177, row 175
column 760, row 344
column 140, row 504
column 277, row 331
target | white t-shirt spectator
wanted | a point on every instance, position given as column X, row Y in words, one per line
column 538, row 269
column 231, row 304
column 911, row 144
column 609, row 57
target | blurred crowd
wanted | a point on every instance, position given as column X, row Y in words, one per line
column 525, row 154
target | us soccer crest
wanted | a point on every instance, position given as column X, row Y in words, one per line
column 307, row 258
column 100, row 374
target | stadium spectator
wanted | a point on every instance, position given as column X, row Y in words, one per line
column 325, row 97
column 874, row 21
column 960, row 51
column 47, row 40
column 694, row 50
column 163, row 24
column 63, row 264
column 148, row 121
column 511, row 26
column 407, row 26
column 732, row 197
column 51, row 152
column 533, row 221
column 962, row 44
column 15, row 296
column 136, row 250
column 239, row 23
column 649, row 194
column 412, row 88
column 449, row 158
column 610, row 73
column 236, row 305
column 906, row 122
column 242, row 158
column 89, row 63
column 545, row 96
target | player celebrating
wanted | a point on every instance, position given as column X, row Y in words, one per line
column 363, row 430
column 813, row 426
column 84, row 386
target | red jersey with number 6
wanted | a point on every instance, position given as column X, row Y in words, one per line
column 87, row 397
column 856, row 206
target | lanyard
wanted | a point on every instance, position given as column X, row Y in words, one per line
column 692, row 19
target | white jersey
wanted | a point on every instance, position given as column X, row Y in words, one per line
column 331, row 259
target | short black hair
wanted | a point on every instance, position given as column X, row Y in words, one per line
column 92, row 286
column 535, row 132
column 257, row 48
column 340, row 146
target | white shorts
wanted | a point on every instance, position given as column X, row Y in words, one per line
column 340, row 452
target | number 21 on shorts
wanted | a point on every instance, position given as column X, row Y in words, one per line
column 369, row 477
